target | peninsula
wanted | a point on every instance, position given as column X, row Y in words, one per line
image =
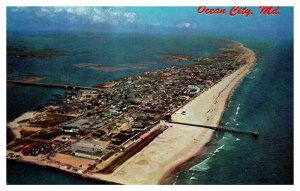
column 117, row 132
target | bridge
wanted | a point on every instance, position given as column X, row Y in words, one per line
column 60, row 86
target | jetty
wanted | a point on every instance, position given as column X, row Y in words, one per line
column 60, row 86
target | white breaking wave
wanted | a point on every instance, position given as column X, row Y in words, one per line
column 203, row 166
column 225, row 143
column 256, row 70
column 237, row 109
column 252, row 75
column 218, row 149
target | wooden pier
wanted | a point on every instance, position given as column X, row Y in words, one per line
column 219, row 128
column 60, row 86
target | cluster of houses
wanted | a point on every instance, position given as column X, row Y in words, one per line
column 124, row 109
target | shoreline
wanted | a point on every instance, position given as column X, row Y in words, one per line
column 167, row 176
column 178, row 144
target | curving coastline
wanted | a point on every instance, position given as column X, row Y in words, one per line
column 227, row 92
column 178, row 144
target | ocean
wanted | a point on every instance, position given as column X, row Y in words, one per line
column 263, row 101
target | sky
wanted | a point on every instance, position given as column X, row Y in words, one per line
column 147, row 20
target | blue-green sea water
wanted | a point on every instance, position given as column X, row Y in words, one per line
column 263, row 101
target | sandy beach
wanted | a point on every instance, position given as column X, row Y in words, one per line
column 176, row 145
column 180, row 143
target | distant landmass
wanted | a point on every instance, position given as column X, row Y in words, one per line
column 28, row 53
